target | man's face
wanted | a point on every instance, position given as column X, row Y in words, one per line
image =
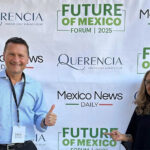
column 16, row 58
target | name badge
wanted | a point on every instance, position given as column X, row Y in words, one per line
column 18, row 135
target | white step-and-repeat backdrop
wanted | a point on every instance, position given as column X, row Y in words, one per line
column 89, row 56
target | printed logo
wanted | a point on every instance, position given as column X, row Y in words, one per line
column 33, row 60
column 85, row 139
column 143, row 61
column 145, row 15
column 91, row 18
column 89, row 99
column 135, row 95
column 82, row 63
column 40, row 139
column 21, row 18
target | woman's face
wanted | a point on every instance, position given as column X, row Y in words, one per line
column 147, row 83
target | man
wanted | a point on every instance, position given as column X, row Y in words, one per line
column 21, row 100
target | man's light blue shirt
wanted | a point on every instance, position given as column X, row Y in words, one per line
column 32, row 108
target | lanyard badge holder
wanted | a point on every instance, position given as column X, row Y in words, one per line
column 18, row 135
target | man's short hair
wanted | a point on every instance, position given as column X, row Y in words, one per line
column 17, row 40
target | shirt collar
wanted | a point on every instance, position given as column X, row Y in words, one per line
column 3, row 75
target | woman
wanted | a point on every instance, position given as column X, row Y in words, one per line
column 138, row 131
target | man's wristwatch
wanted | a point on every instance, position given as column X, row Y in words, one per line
column 44, row 122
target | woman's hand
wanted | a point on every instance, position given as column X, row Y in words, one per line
column 117, row 136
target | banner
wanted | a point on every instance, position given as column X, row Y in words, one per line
column 90, row 57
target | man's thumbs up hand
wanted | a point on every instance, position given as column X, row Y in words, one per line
column 52, row 108
column 50, row 119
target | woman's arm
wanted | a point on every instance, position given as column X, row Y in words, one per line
column 117, row 136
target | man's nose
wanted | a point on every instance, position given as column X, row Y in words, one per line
column 16, row 59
